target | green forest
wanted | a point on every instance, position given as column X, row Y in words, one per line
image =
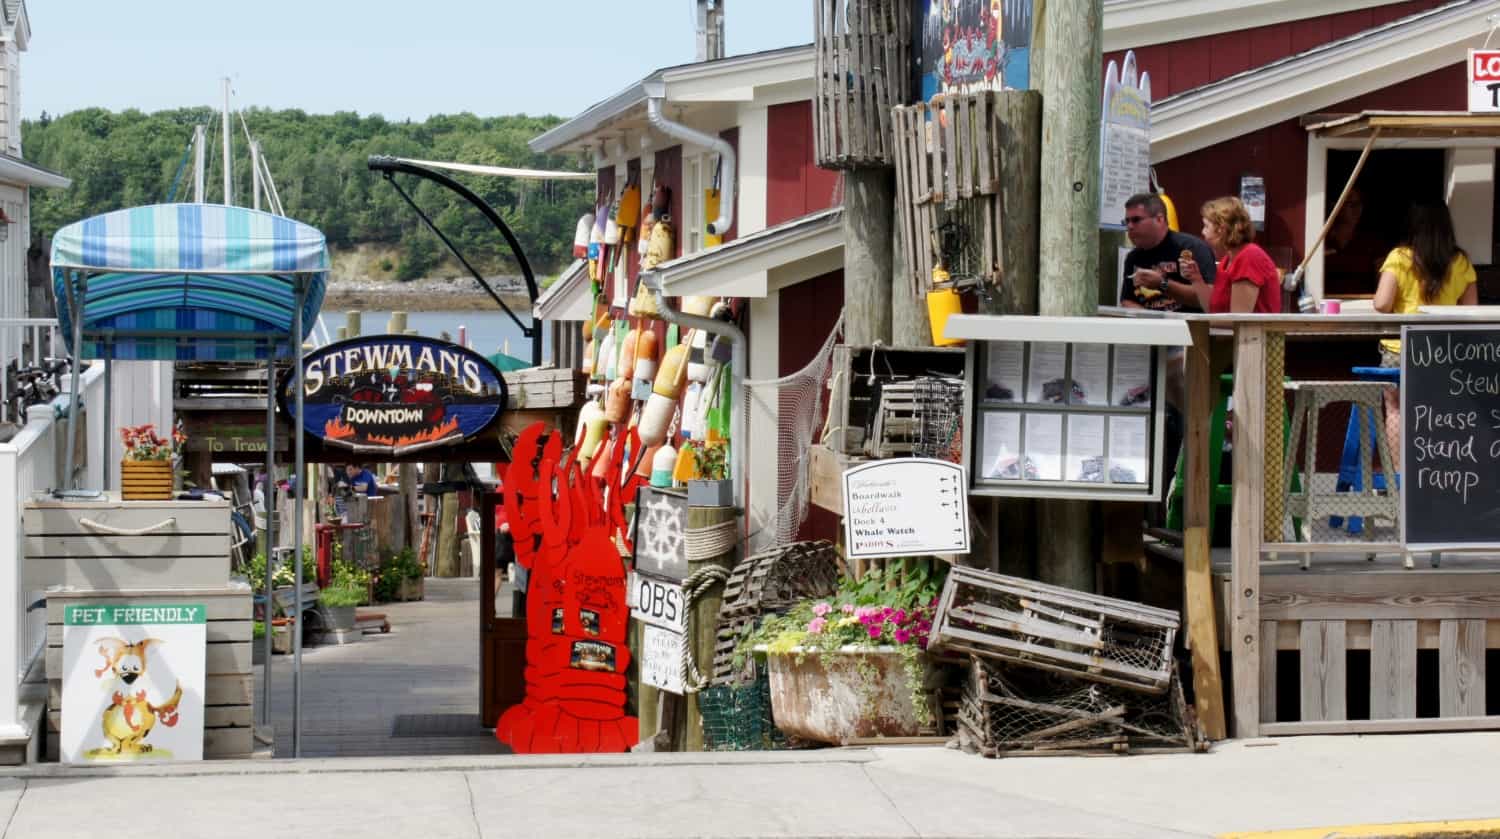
column 318, row 165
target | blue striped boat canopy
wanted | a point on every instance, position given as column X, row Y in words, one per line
column 188, row 282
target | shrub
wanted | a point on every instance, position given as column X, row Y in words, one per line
column 335, row 598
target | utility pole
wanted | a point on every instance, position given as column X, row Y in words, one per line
column 1071, row 109
column 869, row 195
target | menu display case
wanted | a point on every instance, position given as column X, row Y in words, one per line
column 1062, row 408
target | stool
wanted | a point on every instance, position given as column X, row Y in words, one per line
column 1311, row 504
column 1351, row 476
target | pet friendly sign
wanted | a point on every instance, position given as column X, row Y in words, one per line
column 132, row 687
column 1484, row 81
column 393, row 394
column 906, row 506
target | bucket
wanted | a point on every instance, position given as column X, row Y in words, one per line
column 942, row 303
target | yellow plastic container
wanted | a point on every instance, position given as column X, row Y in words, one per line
column 941, row 304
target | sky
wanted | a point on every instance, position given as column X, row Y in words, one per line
column 399, row 59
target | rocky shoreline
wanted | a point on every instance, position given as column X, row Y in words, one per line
column 439, row 295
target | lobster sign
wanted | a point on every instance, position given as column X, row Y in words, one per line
column 393, row 394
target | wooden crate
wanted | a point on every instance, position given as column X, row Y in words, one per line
column 114, row 544
column 229, row 684
column 859, row 374
column 863, row 70
column 948, row 169
column 543, row 387
column 1345, row 609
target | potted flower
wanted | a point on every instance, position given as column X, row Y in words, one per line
column 338, row 606
column 712, row 486
column 146, row 472
column 854, row 665
column 400, row 578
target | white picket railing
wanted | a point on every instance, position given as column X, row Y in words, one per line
column 33, row 461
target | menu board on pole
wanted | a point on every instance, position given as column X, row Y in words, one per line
column 1125, row 141
column 1450, row 437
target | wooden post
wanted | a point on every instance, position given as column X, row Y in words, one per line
column 1069, row 261
column 353, row 324
column 1249, row 507
column 1018, row 133
column 397, row 324
column 869, row 195
column 411, row 497
column 445, row 563
column 705, row 621
column 910, row 326
column 1198, row 595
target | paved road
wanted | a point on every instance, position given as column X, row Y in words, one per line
column 893, row 792
column 352, row 695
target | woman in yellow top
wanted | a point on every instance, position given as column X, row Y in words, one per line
column 1430, row 270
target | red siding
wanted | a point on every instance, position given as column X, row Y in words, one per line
column 1279, row 154
column 795, row 186
column 808, row 311
column 1183, row 65
column 669, row 174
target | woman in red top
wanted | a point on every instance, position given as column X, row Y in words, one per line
column 1247, row 280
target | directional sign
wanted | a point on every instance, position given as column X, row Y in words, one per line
column 906, row 506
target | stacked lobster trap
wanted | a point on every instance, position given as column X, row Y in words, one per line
column 864, row 58
column 736, row 706
column 1055, row 669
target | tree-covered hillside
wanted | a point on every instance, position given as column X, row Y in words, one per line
column 318, row 165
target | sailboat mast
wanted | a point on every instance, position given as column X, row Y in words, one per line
column 199, row 159
column 255, row 174
column 228, row 173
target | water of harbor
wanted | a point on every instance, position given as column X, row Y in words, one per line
column 486, row 331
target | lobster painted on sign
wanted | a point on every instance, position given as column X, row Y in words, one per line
column 565, row 523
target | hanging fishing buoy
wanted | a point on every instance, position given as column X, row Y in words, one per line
column 645, row 363
column 587, row 413
column 581, row 236
column 617, row 401
column 656, row 417
column 627, row 354
column 662, row 464
column 697, row 370
column 593, row 435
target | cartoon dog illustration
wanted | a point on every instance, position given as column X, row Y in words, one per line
column 131, row 715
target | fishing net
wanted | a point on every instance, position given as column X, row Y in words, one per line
column 796, row 403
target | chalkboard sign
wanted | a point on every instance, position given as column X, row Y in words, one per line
column 1450, row 436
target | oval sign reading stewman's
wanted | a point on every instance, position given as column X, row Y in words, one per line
column 393, row 394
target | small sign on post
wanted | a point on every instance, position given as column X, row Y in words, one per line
column 132, row 685
column 1484, row 81
column 906, row 506
column 662, row 608
column 1124, row 140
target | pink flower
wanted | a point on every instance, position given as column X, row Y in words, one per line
column 848, row 608
column 822, row 609
column 902, row 636
column 874, row 631
column 815, row 627
column 866, row 612
column 899, row 616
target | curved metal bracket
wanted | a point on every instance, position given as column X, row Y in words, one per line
column 389, row 166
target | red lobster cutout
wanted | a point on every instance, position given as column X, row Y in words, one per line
column 576, row 614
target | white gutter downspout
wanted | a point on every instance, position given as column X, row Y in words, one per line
column 655, row 93
column 737, row 432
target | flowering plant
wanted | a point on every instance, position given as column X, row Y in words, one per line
column 884, row 608
column 141, row 442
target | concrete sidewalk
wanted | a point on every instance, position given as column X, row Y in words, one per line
column 887, row 792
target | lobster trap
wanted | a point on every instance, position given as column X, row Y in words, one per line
column 863, row 52
column 1085, row 636
column 940, row 418
column 1007, row 710
column 870, row 386
column 770, row 583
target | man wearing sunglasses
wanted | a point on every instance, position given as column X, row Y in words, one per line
column 1152, row 277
